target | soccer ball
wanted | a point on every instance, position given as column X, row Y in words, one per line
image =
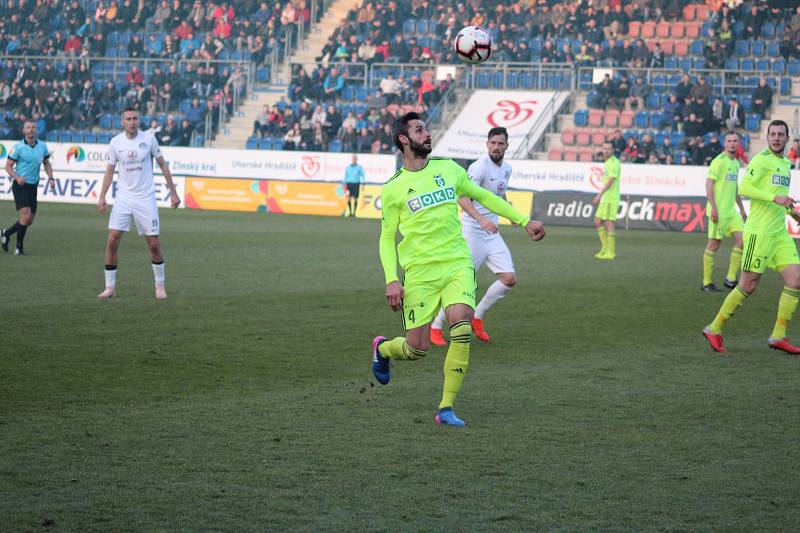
column 473, row 45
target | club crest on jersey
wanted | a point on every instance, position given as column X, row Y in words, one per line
column 430, row 199
column 142, row 146
column 731, row 177
column 132, row 156
column 439, row 181
column 783, row 181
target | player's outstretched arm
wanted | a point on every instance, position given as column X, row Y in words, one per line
column 535, row 229
column 492, row 202
column 486, row 224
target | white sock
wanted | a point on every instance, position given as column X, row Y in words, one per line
column 438, row 322
column 496, row 291
column 158, row 273
column 111, row 278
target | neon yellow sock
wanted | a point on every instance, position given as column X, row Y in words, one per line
column 736, row 262
column 456, row 362
column 708, row 265
column 786, row 308
column 736, row 297
column 603, row 234
column 399, row 349
column 612, row 243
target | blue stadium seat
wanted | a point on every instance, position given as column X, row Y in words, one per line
column 793, row 67
column 747, row 102
column 745, row 141
column 582, row 118
column 768, row 30
column 752, row 122
column 738, row 29
column 655, row 119
column 432, row 27
column 265, row 144
column 699, row 62
column 277, row 144
column 758, row 48
column 763, row 65
column 410, row 26
column 482, row 80
column 335, row 146
column 512, row 80
column 686, row 64
column 252, row 143
column 90, row 138
column 746, row 64
column 263, row 74
column 653, row 101
column 676, row 137
column 696, row 48
column 497, row 79
column 671, row 62
column 773, row 48
column 422, row 27
column 786, row 85
column 362, row 93
column 536, row 46
column 348, row 93
column 743, row 48
column 779, row 66
column 52, row 136
column 642, row 119
column 659, row 137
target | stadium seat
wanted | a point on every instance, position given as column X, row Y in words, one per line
column 668, row 46
column 778, row 66
column 598, row 138
column 265, row 143
column 693, row 30
column 583, row 138
column 335, row 146
column 763, row 65
column 671, row 62
column 626, row 118
column 595, row 118
column 773, row 48
column 252, row 143
column 585, row 156
column 703, row 12
column 410, row 26
column 634, row 29
column 699, row 62
column 662, row 30
column 786, row 85
column 696, row 48
column 51, row 137
column 732, row 64
column 611, row 118
column 689, row 12
column 554, row 154
column 747, row 102
column 682, row 48
column 752, row 122
column 768, row 30
column 568, row 137
column 642, row 119
column 678, row 30
column 512, row 80
column 742, row 48
column 570, row 155
column 648, row 30
column 686, row 64
column 582, row 117
column 758, row 48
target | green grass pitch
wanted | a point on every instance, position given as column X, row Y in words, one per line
column 246, row 401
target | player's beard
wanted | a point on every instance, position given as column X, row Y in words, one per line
column 419, row 149
column 496, row 159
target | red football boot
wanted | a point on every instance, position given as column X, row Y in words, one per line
column 437, row 337
column 477, row 327
column 784, row 345
column 714, row 340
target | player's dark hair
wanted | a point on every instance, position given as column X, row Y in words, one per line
column 400, row 127
column 731, row 132
column 778, row 122
column 130, row 109
column 497, row 131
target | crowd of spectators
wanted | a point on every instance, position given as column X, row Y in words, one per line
column 322, row 113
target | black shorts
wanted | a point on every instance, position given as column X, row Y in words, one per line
column 353, row 189
column 25, row 195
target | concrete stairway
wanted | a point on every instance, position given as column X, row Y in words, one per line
column 234, row 134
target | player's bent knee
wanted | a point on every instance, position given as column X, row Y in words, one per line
column 412, row 353
column 509, row 280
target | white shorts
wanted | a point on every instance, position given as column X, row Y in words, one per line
column 489, row 249
column 143, row 211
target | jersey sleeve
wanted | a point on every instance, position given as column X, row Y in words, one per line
column 614, row 169
column 714, row 170
column 15, row 150
column 155, row 149
column 390, row 221
column 46, row 150
column 489, row 200
column 752, row 179
column 475, row 173
column 112, row 154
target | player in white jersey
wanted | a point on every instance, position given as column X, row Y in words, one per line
column 479, row 226
column 133, row 151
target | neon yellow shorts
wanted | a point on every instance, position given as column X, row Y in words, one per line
column 428, row 287
column 724, row 227
column 607, row 210
column 773, row 251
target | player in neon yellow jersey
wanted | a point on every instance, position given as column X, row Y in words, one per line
column 767, row 243
column 723, row 220
column 607, row 202
column 420, row 201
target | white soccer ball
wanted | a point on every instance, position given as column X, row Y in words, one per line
column 473, row 45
